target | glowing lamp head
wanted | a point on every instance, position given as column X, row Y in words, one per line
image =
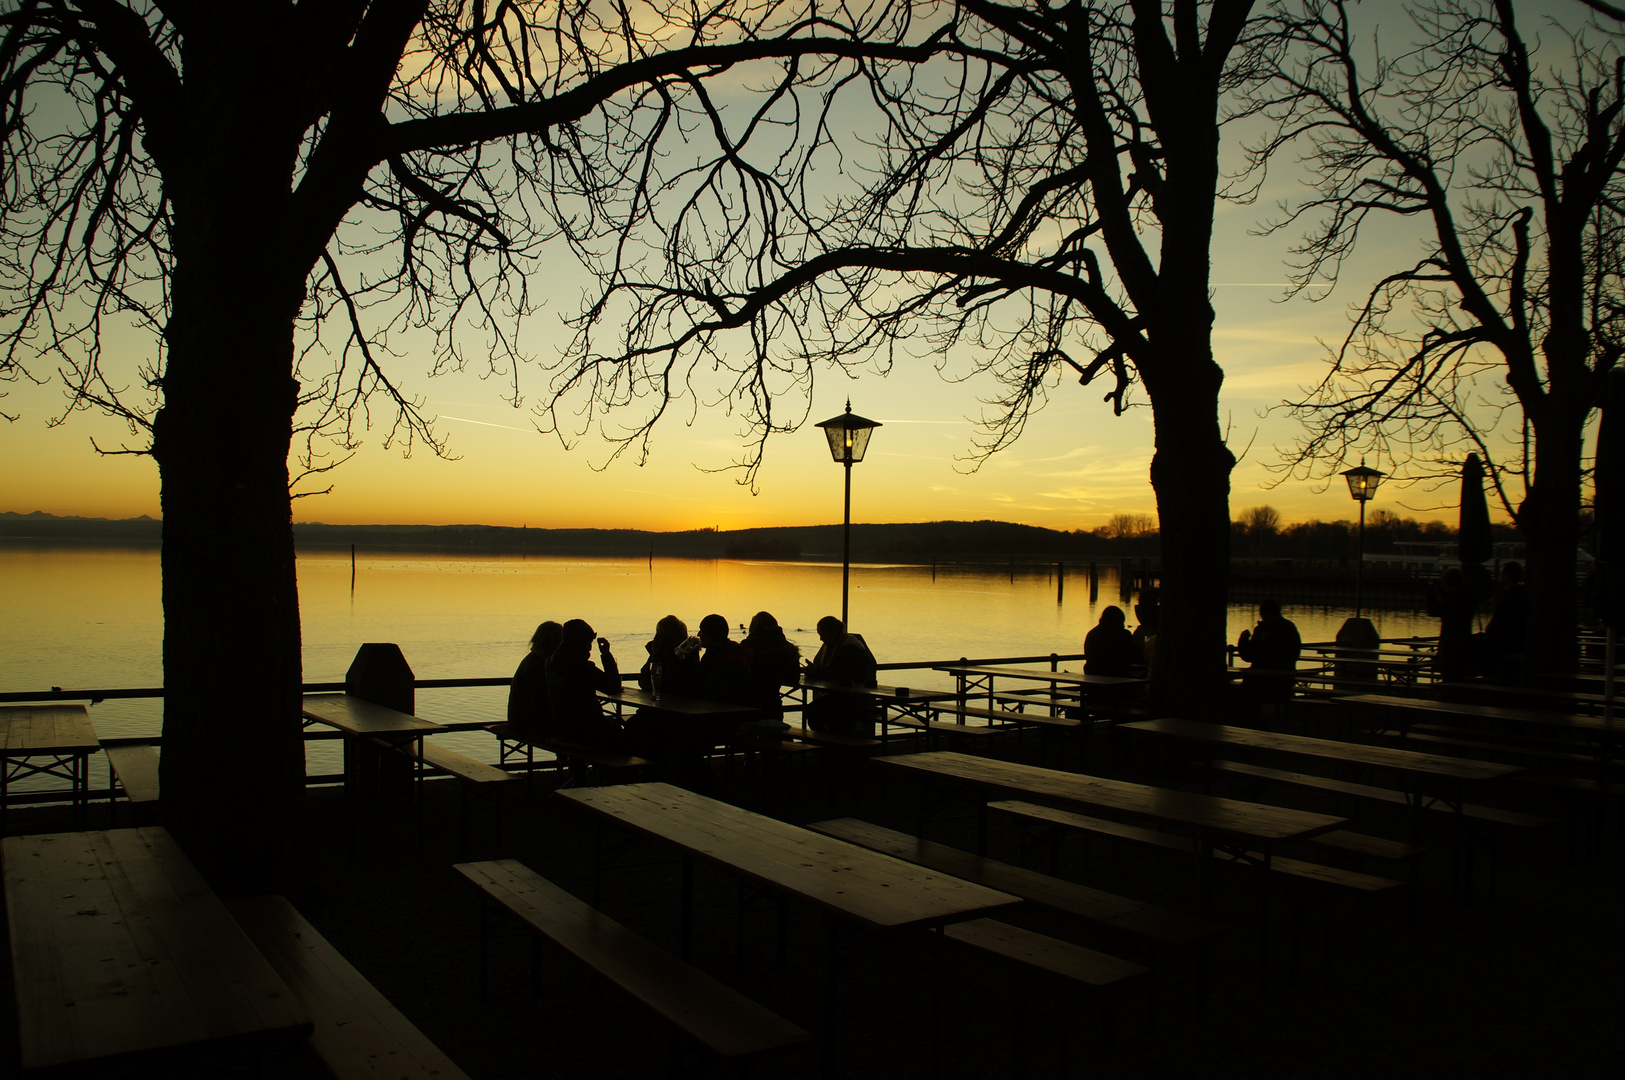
column 1363, row 482
column 848, row 436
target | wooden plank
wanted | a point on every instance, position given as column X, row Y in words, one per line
column 465, row 768
column 136, row 767
column 358, row 1033
column 1209, row 814
column 877, row 891
column 46, row 729
column 1408, row 762
column 355, row 716
column 1134, row 918
column 1072, row 962
column 720, row 1020
column 119, row 949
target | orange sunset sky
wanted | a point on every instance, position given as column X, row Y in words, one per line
column 1076, row 466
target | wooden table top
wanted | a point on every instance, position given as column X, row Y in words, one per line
column 1207, row 814
column 1071, row 678
column 355, row 716
column 676, row 703
column 901, row 694
column 1589, row 725
column 119, row 949
column 877, row 891
column 1386, row 757
column 27, row 730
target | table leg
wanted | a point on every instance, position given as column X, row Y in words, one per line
column 686, row 932
column 828, row 1035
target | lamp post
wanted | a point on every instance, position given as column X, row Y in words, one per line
column 1362, row 488
column 848, row 437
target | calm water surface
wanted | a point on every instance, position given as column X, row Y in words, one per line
column 89, row 617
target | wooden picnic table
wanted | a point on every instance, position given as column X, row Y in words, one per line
column 362, row 722
column 1451, row 772
column 61, row 735
column 910, row 704
column 120, row 952
column 852, row 886
column 676, row 704
column 1595, row 729
column 1223, row 823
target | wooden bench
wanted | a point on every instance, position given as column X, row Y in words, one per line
column 711, row 1017
column 1106, row 976
column 1312, row 872
column 1487, row 814
column 1148, row 927
column 132, row 771
column 359, row 1035
column 1007, row 716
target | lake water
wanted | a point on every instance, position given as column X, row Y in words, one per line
column 89, row 617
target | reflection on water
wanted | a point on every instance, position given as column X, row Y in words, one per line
column 89, row 617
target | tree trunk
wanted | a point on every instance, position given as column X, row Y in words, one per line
column 233, row 755
column 1190, row 472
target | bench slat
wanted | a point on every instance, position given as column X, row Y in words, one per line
column 359, row 1034
column 1069, row 961
column 1297, row 868
column 136, row 767
column 718, row 1019
column 465, row 768
column 1134, row 918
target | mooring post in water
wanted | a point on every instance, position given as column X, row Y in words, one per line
column 1060, row 582
column 352, row 568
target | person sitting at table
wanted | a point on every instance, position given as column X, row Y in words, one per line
column 1148, row 612
column 1500, row 648
column 679, row 674
column 725, row 669
column 843, row 658
column 1271, row 650
column 573, row 685
column 530, row 715
column 775, row 662
column 1109, row 649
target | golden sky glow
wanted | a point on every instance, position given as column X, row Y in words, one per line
column 1075, row 467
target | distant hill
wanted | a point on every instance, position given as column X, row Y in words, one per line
column 920, row 542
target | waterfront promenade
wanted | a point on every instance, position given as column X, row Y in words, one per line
column 1524, row 983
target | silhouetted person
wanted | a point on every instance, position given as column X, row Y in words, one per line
column 1453, row 601
column 573, row 684
column 1148, row 613
column 1271, row 649
column 775, row 663
column 1109, row 649
column 530, row 715
column 1501, row 646
column 843, row 658
column 679, row 675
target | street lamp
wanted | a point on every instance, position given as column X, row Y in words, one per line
column 1362, row 489
column 848, row 437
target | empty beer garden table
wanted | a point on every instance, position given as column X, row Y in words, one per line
column 47, row 741
column 121, row 953
column 851, row 885
column 362, row 720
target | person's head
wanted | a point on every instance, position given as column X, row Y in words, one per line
column 546, row 638
column 1452, row 580
column 668, row 632
column 1148, row 606
column 713, row 630
column 576, row 636
column 1269, row 608
column 1113, row 616
column 764, row 624
column 1511, row 573
column 830, row 628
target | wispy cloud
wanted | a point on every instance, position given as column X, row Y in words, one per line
column 481, row 423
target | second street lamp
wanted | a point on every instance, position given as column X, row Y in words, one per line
column 1362, row 488
column 848, row 436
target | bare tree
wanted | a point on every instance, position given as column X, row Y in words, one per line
column 281, row 195
column 1511, row 156
column 1042, row 207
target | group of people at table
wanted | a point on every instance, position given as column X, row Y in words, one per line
column 557, row 691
